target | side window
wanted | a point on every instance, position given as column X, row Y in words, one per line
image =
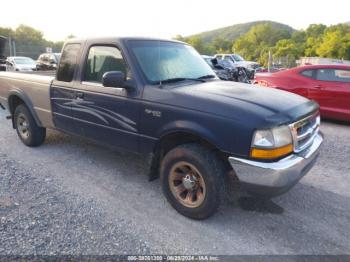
column 219, row 57
column 102, row 59
column 68, row 63
column 228, row 58
column 326, row 75
column 308, row 73
column 342, row 75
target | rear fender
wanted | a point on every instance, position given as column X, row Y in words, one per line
column 19, row 94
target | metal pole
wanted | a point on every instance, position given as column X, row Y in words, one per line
column 14, row 48
column 10, row 45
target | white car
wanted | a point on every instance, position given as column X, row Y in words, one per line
column 20, row 63
column 237, row 60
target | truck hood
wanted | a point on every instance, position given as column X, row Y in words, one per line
column 259, row 105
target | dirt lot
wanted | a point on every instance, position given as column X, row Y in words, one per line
column 71, row 196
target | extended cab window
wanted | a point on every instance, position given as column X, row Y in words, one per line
column 68, row 63
column 102, row 59
column 335, row 75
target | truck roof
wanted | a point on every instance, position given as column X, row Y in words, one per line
column 112, row 39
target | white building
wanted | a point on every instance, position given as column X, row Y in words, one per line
column 320, row 61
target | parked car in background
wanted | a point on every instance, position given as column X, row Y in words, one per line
column 2, row 64
column 48, row 61
column 220, row 71
column 239, row 61
column 269, row 70
column 329, row 85
column 20, row 63
column 2, row 53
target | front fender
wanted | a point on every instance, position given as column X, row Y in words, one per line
column 193, row 128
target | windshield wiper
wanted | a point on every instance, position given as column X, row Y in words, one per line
column 179, row 79
column 206, row 77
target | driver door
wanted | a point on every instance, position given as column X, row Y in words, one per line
column 106, row 114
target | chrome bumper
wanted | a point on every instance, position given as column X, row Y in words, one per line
column 276, row 178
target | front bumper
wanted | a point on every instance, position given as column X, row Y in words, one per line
column 276, row 178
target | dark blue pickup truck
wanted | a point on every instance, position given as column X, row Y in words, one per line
column 160, row 99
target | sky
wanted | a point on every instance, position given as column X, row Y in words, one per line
column 162, row 18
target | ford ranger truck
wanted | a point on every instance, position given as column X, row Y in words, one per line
column 160, row 99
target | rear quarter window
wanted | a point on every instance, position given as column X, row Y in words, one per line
column 308, row 73
column 68, row 63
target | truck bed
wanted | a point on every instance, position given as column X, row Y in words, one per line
column 34, row 86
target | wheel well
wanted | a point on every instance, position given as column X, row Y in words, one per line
column 14, row 101
column 172, row 140
column 169, row 141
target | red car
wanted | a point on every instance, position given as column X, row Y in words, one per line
column 328, row 85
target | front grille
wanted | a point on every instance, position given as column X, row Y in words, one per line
column 304, row 131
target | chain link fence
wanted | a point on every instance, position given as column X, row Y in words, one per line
column 284, row 62
column 13, row 48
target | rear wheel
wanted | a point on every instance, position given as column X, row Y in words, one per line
column 28, row 131
column 192, row 180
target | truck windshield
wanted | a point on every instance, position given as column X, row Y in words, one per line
column 24, row 61
column 237, row 58
column 162, row 61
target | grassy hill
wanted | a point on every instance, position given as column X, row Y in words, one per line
column 234, row 31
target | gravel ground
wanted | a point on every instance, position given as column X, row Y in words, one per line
column 71, row 196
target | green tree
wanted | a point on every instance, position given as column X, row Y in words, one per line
column 313, row 38
column 29, row 41
column 286, row 51
column 220, row 45
column 255, row 44
column 180, row 38
column 335, row 42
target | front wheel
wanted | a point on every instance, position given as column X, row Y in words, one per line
column 192, row 180
column 28, row 131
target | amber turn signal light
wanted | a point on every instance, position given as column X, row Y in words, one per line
column 271, row 153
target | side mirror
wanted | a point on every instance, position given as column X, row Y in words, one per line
column 113, row 79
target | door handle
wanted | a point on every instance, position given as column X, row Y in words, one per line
column 318, row 86
column 79, row 95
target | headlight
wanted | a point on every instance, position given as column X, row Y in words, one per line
column 272, row 143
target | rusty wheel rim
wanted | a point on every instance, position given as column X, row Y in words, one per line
column 23, row 126
column 187, row 184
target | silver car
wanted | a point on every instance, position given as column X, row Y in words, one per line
column 20, row 63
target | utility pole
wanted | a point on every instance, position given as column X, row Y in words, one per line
column 10, row 45
column 14, row 48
